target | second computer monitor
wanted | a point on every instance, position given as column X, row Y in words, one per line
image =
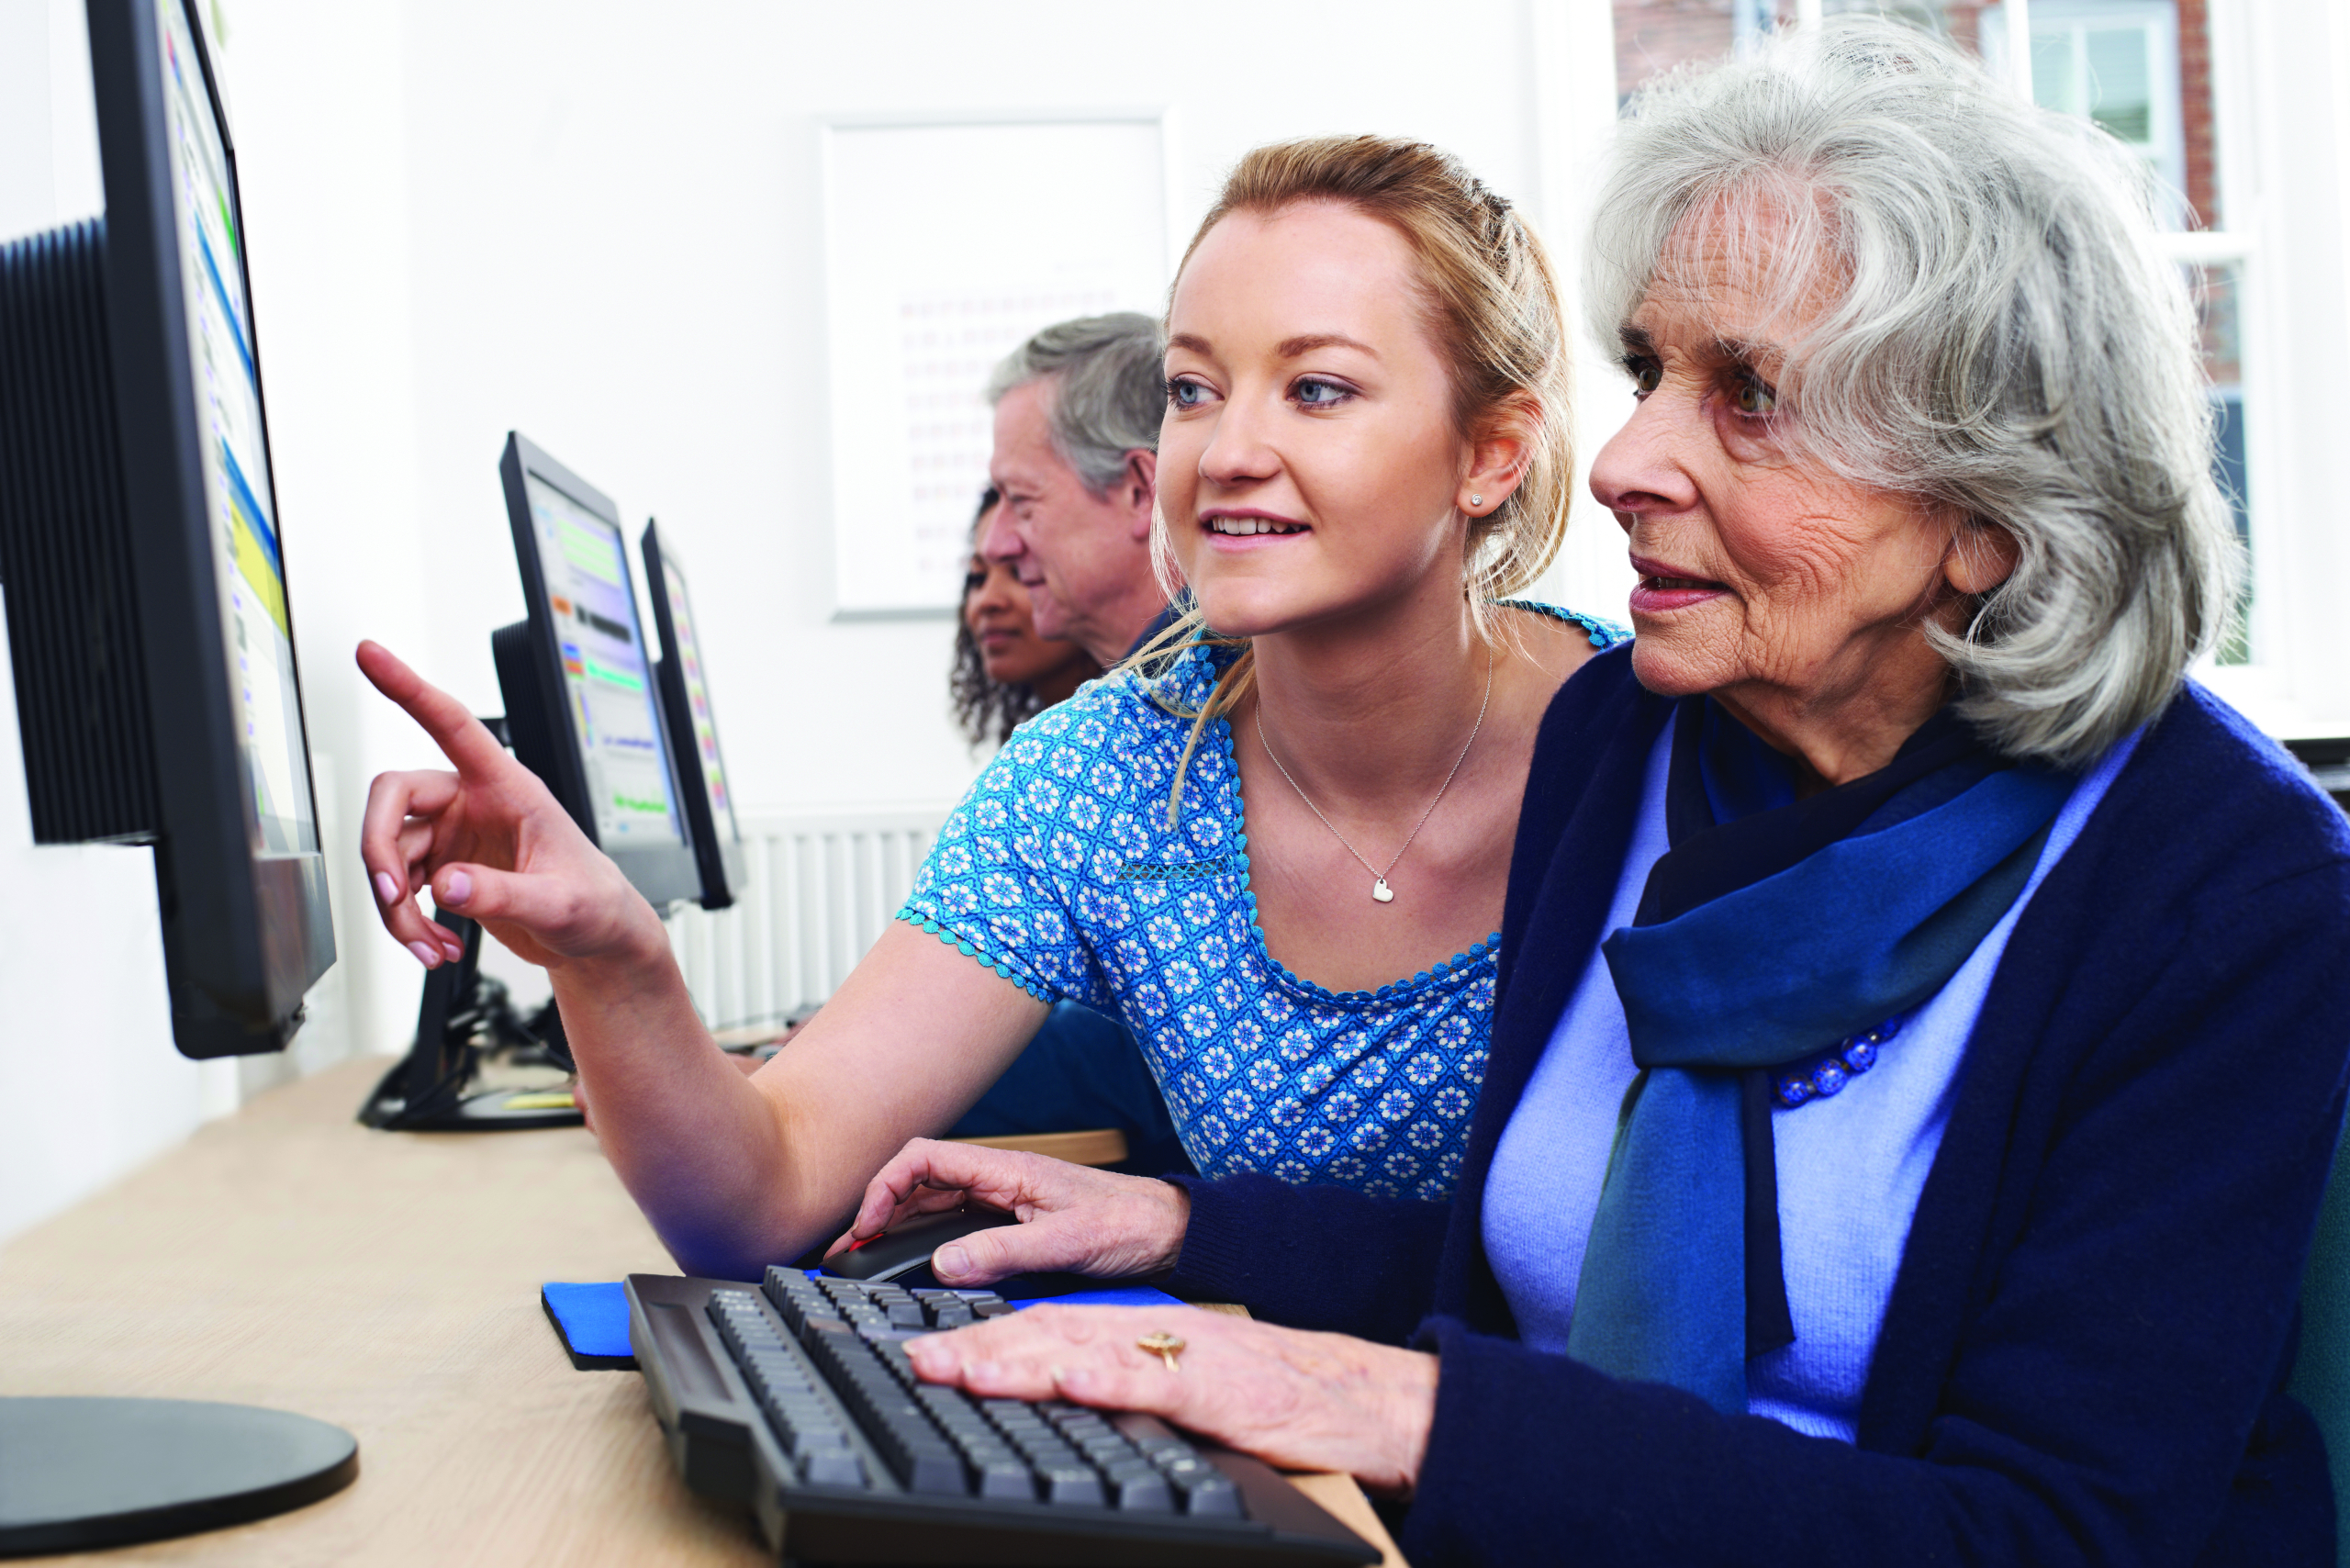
column 693, row 727
column 580, row 704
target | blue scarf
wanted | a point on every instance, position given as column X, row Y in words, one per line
column 1772, row 929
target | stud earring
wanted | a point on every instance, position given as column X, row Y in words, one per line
column 1476, row 500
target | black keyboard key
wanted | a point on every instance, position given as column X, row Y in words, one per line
column 950, row 1410
column 807, row 1442
column 906, row 1315
column 892, row 1354
column 1043, row 1457
column 773, row 1358
column 740, row 1321
column 932, row 1469
column 953, row 1317
column 800, row 1411
column 917, row 1453
column 1215, row 1498
column 965, row 1422
column 794, row 1307
column 998, row 1308
column 1071, row 1485
column 1007, row 1478
column 1143, row 1493
column 837, row 1468
column 975, row 1437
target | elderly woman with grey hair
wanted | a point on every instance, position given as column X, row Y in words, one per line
column 1917, row 1053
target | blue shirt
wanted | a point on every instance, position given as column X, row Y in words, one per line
column 1849, row 1168
column 1059, row 870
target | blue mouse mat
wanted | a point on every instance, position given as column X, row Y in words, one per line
column 592, row 1322
column 592, row 1319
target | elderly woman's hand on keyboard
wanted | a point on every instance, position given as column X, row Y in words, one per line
column 1302, row 1400
column 1073, row 1217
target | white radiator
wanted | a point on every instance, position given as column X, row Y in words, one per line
column 823, row 885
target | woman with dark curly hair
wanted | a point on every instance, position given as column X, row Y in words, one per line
column 1003, row 671
column 1082, row 1070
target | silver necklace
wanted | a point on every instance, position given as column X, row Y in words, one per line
column 1379, row 887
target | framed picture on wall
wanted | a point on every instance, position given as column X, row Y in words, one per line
column 948, row 242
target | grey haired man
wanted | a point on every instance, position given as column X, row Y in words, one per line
column 1076, row 411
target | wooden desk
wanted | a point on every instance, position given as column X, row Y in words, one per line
column 387, row 1283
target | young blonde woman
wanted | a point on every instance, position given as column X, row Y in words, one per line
column 1278, row 852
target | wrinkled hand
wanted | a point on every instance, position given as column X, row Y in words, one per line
column 1302, row 1400
column 491, row 843
column 1071, row 1217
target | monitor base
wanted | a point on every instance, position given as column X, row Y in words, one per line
column 490, row 1111
column 464, row 1016
column 85, row 1473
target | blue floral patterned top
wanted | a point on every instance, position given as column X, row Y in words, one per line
column 1060, row 871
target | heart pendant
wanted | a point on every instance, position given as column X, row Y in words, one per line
column 1381, row 892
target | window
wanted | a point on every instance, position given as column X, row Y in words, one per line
column 2141, row 70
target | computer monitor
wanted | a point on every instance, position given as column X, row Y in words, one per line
column 159, row 698
column 152, row 635
column 684, row 681
column 582, row 714
column 577, row 676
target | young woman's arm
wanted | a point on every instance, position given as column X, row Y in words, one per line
column 733, row 1173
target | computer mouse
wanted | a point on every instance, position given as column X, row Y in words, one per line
column 909, row 1245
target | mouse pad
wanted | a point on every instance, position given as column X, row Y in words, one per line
column 592, row 1322
column 592, row 1319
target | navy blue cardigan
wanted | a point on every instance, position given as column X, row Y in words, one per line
column 2085, row 1355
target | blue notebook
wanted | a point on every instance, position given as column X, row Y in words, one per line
column 592, row 1319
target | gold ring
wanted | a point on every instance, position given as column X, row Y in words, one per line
column 1163, row 1345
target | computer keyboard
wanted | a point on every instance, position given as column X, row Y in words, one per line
column 797, row 1399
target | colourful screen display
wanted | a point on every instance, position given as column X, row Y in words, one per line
column 607, row 674
column 713, row 771
column 239, row 496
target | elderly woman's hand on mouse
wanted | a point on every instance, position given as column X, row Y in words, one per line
column 1302, row 1400
column 1094, row 1222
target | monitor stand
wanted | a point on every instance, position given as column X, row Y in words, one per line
column 431, row 1088
column 83, row 1474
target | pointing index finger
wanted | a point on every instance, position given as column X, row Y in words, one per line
column 460, row 738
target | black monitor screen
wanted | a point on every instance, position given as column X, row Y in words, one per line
column 234, row 447
column 607, row 673
column 150, row 633
column 672, row 584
